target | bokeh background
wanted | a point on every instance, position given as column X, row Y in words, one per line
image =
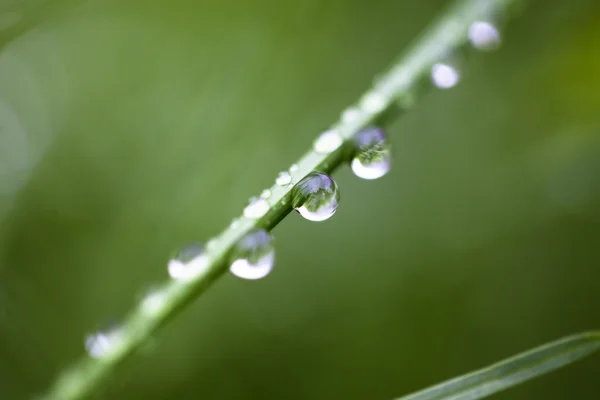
column 130, row 128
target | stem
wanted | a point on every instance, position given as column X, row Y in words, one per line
column 397, row 88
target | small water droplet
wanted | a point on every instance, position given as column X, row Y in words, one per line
column 265, row 194
column 153, row 302
column 283, row 179
column 444, row 76
column 328, row 141
column 350, row 115
column 253, row 256
column 316, row 197
column 211, row 244
column 373, row 155
column 103, row 343
column 188, row 263
column 257, row 208
column 484, row 35
column 373, row 102
column 294, row 168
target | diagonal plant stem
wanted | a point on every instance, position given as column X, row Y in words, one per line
column 396, row 89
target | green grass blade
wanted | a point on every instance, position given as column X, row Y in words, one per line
column 512, row 371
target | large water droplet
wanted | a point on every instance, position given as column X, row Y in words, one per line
column 283, row 179
column 316, row 197
column 484, row 35
column 103, row 343
column 253, row 256
column 328, row 141
column 257, row 208
column 188, row 263
column 373, row 156
column 444, row 76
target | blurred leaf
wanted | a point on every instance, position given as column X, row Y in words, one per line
column 514, row 370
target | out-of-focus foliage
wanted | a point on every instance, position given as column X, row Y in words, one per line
column 130, row 128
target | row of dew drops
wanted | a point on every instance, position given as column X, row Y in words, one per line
column 315, row 197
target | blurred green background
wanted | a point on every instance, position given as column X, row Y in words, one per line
column 130, row 128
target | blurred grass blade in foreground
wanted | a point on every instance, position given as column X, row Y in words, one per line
column 512, row 371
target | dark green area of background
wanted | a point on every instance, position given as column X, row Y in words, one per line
column 130, row 128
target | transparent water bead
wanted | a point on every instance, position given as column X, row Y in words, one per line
column 373, row 102
column 283, row 179
column 188, row 263
column 316, row 197
column 253, row 256
column 265, row 194
column 102, row 343
column 444, row 76
column 257, row 208
column 373, row 154
column 351, row 115
column 294, row 168
column 154, row 302
column 328, row 142
column 484, row 35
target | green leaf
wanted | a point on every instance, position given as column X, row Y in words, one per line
column 512, row 371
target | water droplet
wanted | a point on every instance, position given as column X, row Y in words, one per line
column 444, row 76
column 265, row 194
column 484, row 35
column 154, row 302
column 103, row 343
column 284, row 178
column 373, row 102
column 294, row 168
column 316, row 197
column 188, row 263
column 373, row 155
column 211, row 244
column 328, row 141
column 253, row 256
column 351, row 115
column 256, row 208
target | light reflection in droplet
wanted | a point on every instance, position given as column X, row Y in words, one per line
column 484, row 35
column 444, row 76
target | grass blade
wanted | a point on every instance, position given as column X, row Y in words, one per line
column 512, row 371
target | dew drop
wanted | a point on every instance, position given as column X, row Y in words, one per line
column 373, row 102
column 328, row 141
column 373, row 155
column 265, row 194
column 316, row 197
column 284, row 178
column 444, row 76
column 188, row 263
column 294, row 168
column 253, row 256
column 154, row 302
column 256, row 208
column 103, row 343
column 351, row 115
column 484, row 35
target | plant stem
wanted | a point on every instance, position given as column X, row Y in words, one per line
column 396, row 89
